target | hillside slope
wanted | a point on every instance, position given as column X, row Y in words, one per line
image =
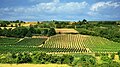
column 80, row 43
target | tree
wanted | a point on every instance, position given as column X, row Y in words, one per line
column 84, row 20
column 38, row 31
column 44, row 31
column 9, row 32
column 1, row 32
column 5, row 32
column 17, row 21
column 38, row 22
column 67, row 59
column 19, row 24
column 29, row 34
column 51, row 32
column 19, row 32
column 106, row 59
column 89, row 59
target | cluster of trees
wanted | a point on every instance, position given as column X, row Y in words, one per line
column 106, row 29
column 35, row 57
column 90, row 61
column 61, row 24
column 85, row 61
column 108, row 22
column 24, row 31
column 5, row 23
column 43, row 58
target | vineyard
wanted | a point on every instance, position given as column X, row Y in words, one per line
column 59, row 43
column 20, row 44
column 9, row 41
column 80, row 43
column 32, row 41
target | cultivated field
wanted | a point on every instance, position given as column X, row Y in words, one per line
column 24, row 24
column 65, row 30
column 34, row 65
column 20, row 44
column 80, row 43
column 59, row 43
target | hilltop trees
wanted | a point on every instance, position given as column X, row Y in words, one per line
column 20, row 32
column 51, row 32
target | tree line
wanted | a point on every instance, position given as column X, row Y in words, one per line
column 43, row 58
column 20, row 32
column 35, row 57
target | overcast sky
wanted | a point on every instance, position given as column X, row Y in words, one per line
column 72, row 10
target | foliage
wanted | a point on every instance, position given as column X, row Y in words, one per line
column 106, row 59
column 51, row 32
column 35, row 57
column 112, row 56
column 20, row 32
column 85, row 61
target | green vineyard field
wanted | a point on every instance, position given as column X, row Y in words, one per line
column 81, row 43
column 59, row 43
column 20, row 44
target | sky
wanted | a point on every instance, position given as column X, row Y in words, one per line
column 67, row 10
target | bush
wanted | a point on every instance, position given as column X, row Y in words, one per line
column 106, row 59
column 112, row 56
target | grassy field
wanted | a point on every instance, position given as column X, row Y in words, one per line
column 34, row 65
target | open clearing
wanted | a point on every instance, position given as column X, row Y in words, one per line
column 34, row 65
column 65, row 30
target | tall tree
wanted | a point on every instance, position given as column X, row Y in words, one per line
column 51, row 32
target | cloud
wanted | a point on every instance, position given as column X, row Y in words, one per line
column 103, row 5
column 55, row 9
column 51, row 9
column 108, row 10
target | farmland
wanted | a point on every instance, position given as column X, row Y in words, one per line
column 60, row 43
column 65, row 30
column 74, row 44
column 80, row 43
column 20, row 44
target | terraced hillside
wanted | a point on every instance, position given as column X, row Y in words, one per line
column 80, row 43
